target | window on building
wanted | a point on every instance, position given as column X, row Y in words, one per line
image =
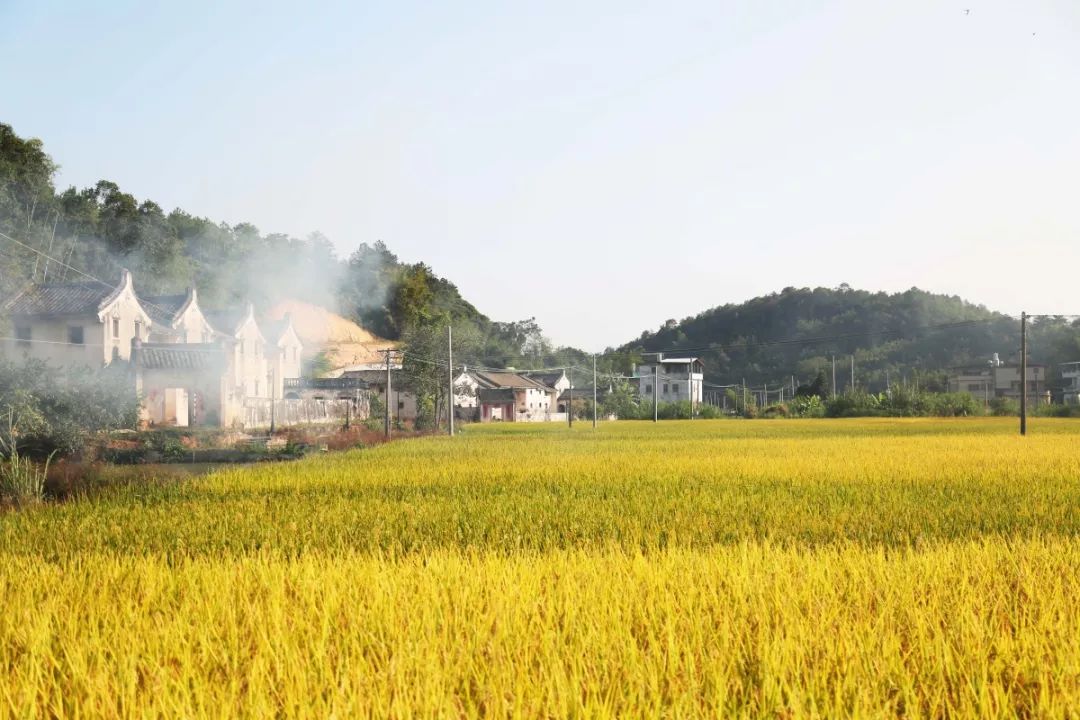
column 975, row 387
column 665, row 388
column 75, row 334
column 648, row 388
column 256, row 388
column 116, row 328
column 23, row 334
column 401, row 405
column 675, row 388
column 138, row 329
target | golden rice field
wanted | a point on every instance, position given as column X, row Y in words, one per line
column 856, row 568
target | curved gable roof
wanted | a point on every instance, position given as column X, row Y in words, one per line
column 79, row 298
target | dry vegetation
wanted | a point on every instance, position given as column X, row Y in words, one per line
column 782, row 569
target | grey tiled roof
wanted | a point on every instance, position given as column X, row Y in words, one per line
column 547, row 378
column 163, row 308
column 61, row 299
column 272, row 330
column 169, row 356
column 226, row 321
column 508, row 380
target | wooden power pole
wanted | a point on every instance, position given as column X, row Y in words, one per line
column 386, row 428
column 450, row 397
column 570, row 401
column 655, row 398
column 1023, row 373
column 593, row 392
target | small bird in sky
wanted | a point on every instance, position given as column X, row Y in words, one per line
column 967, row 11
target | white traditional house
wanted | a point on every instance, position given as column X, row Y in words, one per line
column 185, row 384
column 466, row 396
column 189, row 367
column 84, row 323
column 284, row 351
column 177, row 318
column 674, row 379
column 240, row 331
column 556, row 380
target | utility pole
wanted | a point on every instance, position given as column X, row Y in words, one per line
column 690, row 386
column 570, row 402
column 852, row 373
column 1023, row 373
column 765, row 396
column 272, row 393
column 834, row 376
column 450, row 395
column 593, row 392
column 655, row 398
column 386, row 428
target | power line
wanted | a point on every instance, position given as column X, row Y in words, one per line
column 87, row 275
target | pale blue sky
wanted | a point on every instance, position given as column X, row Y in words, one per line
column 602, row 166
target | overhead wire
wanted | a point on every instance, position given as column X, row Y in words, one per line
column 87, row 275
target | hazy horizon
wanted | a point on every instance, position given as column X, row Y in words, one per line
column 601, row 168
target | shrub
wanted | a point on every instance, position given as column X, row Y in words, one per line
column 709, row 412
column 55, row 411
column 22, row 481
column 1004, row 407
column 807, row 406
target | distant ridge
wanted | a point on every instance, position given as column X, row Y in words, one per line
column 888, row 333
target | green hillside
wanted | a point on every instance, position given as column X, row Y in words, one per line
column 798, row 330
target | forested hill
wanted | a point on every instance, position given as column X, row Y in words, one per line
column 798, row 330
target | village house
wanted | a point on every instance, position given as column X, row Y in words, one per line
column 580, row 398
column 556, row 379
column 511, row 397
column 189, row 367
column 185, row 384
column 84, row 323
column 1070, row 373
column 466, row 396
column 284, row 352
column 403, row 403
column 676, row 379
column 177, row 318
column 240, row 332
column 997, row 379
